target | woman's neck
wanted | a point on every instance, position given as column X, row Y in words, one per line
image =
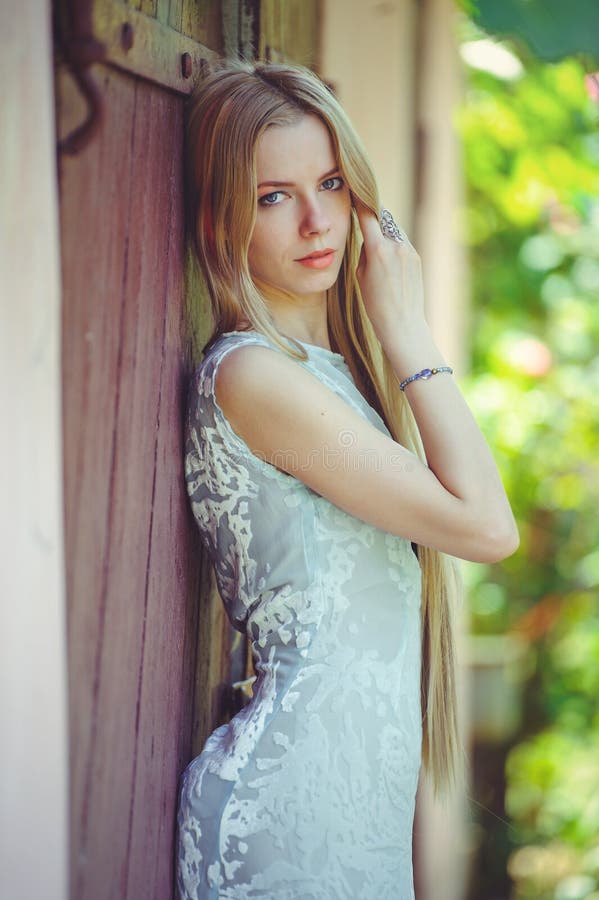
column 311, row 327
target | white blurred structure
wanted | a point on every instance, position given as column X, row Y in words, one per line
column 33, row 689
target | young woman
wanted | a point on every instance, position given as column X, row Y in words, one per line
column 331, row 463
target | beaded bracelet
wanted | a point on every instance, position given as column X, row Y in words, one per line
column 424, row 375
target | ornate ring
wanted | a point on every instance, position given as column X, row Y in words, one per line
column 389, row 226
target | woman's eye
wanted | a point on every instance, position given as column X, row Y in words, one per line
column 332, row 184
column 271, row 199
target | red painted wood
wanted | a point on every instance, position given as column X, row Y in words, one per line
column 133, row 560
column 93, row 235
column 169, row 648
column 153, row 141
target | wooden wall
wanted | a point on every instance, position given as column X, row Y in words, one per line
column 290, row 30
column 151, row 654
column 141, row 606
column 133, row 572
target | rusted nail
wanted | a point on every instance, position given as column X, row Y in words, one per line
column 126, row 36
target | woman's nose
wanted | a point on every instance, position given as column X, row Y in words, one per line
column 315, row 219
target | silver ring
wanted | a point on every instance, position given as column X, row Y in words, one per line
column 389, row 226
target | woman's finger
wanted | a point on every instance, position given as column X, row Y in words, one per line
column 377, row 228
column 390, row 228
column 370, row 225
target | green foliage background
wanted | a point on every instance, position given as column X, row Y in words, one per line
column 532, row 225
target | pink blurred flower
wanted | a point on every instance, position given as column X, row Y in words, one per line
column 591, row 83
column 530, row 356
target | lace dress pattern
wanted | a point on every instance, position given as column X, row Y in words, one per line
column 307, row 793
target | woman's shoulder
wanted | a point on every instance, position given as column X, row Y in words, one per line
column 249, row 374
column 260, row 372
column 219, row 348
column 240, row 367
column 212, row 441
column 223, row 343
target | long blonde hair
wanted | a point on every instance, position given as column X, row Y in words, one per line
column 230, row 108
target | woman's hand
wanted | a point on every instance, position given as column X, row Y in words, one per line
column 390, row 277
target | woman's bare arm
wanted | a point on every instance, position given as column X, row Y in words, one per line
column 390, row 277
column 290, row 419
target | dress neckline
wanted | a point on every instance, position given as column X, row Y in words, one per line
column 304, row 343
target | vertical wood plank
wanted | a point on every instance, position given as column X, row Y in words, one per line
column 193, row 20
column 202, row 21
column 148, row 7
column 93, row 232
column 289, row 30
column 162, row 11
column 175, row 14
column 133, row 555
column 137, row 388
column 171, row 615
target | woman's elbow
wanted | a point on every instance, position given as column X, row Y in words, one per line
column 499, row 540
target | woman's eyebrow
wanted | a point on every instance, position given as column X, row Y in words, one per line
column 290, row 183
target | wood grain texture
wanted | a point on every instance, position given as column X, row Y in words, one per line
column 154, row 48
column 289, row 31
column 202, row 21
column 142, row 607
column 148, row 7
column 175, row 14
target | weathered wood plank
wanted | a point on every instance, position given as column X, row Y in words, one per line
column 162, row 11
column 163, row 735
column 93, row 235
column 153, row 50
column 289, row 30
column 128, row 433
column 137, row 386
column 202, row 21
column 148, row 7
column 175, row 15
column 133, row 561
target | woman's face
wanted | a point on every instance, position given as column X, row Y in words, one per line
column 303, row 212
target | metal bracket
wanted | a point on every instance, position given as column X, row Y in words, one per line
column 112, row 32
column 80, row 50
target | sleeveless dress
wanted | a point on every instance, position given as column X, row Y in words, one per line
column 308, row 793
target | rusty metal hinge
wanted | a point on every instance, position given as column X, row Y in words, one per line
column 111, row 32
column 80, row 49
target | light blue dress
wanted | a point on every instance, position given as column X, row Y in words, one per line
column 308, row 793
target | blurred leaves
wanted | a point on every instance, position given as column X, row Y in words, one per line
column 532, row 227
column 552, row 28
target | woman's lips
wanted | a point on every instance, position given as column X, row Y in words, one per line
column 320, row 259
